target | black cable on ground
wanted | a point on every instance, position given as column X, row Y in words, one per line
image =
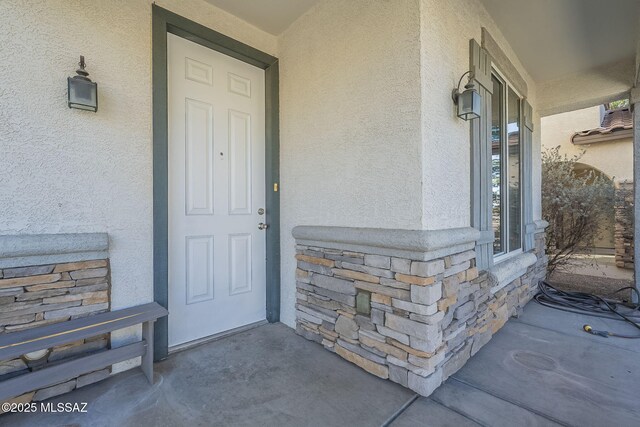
column 591, row 305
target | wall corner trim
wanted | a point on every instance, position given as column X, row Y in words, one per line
column 502, row 61
column 41, row 249
column 414, row 244
column 634, row 95
column 507, row 271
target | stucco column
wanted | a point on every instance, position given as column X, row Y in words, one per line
column 635, row 101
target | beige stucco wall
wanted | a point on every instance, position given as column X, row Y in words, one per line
column 373, row 140
column 350, row 122
column 67, row 170
column 614, row 158
column 350, row 131
column 446, row 30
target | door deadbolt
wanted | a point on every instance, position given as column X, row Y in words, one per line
column 261, row 211
column 262, row 226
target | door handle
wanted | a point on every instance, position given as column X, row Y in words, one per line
column 262, row 226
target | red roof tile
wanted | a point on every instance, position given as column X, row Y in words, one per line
column 613, row 121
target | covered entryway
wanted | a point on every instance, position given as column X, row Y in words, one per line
column 216, row 200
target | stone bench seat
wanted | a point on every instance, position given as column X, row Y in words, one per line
column 20, row 343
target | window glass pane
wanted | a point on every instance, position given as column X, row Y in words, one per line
column 513, row 131
column 496, row 164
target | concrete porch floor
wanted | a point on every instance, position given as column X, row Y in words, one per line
column 540, row 369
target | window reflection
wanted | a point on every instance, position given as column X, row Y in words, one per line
column 506, row 209
column 496, row 165
column 513, row 132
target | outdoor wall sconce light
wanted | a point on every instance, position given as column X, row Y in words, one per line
column 83, row 93
column 469, row 101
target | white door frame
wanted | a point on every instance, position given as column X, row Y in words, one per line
column 165, row 22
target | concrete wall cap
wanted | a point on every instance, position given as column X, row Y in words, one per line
column 406, row 240
column 40, row 249
column 510, row 269
column 51, row 244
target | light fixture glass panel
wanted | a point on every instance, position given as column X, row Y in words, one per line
column 83, row 94
column 469, row 103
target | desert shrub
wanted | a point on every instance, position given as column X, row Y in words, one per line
column 574, row 204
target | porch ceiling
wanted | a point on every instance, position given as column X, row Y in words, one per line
column 273, row 16
column 558, row 38
column 579, row 53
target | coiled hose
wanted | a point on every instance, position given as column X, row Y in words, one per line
column 591, row 305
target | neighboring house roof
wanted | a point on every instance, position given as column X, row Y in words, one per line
column 616, row 124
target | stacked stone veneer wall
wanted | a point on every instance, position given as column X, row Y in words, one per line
column 623, row 235
column 38, row 295
column 426, row 317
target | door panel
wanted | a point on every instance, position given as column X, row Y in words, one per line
column 217, row 254
column 199, row 157
column 240, row 263
column 199, row 268
column 239, row 163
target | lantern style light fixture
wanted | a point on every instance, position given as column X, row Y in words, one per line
column 83, row 93
column 469, row 101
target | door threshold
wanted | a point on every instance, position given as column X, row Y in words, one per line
column 215, row 337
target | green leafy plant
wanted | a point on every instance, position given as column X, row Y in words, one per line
column 574, row 203
column 614, row 105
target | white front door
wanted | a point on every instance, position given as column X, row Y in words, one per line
column 217, row 254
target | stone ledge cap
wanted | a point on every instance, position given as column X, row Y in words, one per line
column 39, row 249
column 510, row 269
column 405, row 240
column 51, row 244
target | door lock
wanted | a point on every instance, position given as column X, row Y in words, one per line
column 262, row 226
column 261, row 211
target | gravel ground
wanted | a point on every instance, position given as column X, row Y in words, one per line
column 602, row 286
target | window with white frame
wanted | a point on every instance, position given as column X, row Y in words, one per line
column 506, row 170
